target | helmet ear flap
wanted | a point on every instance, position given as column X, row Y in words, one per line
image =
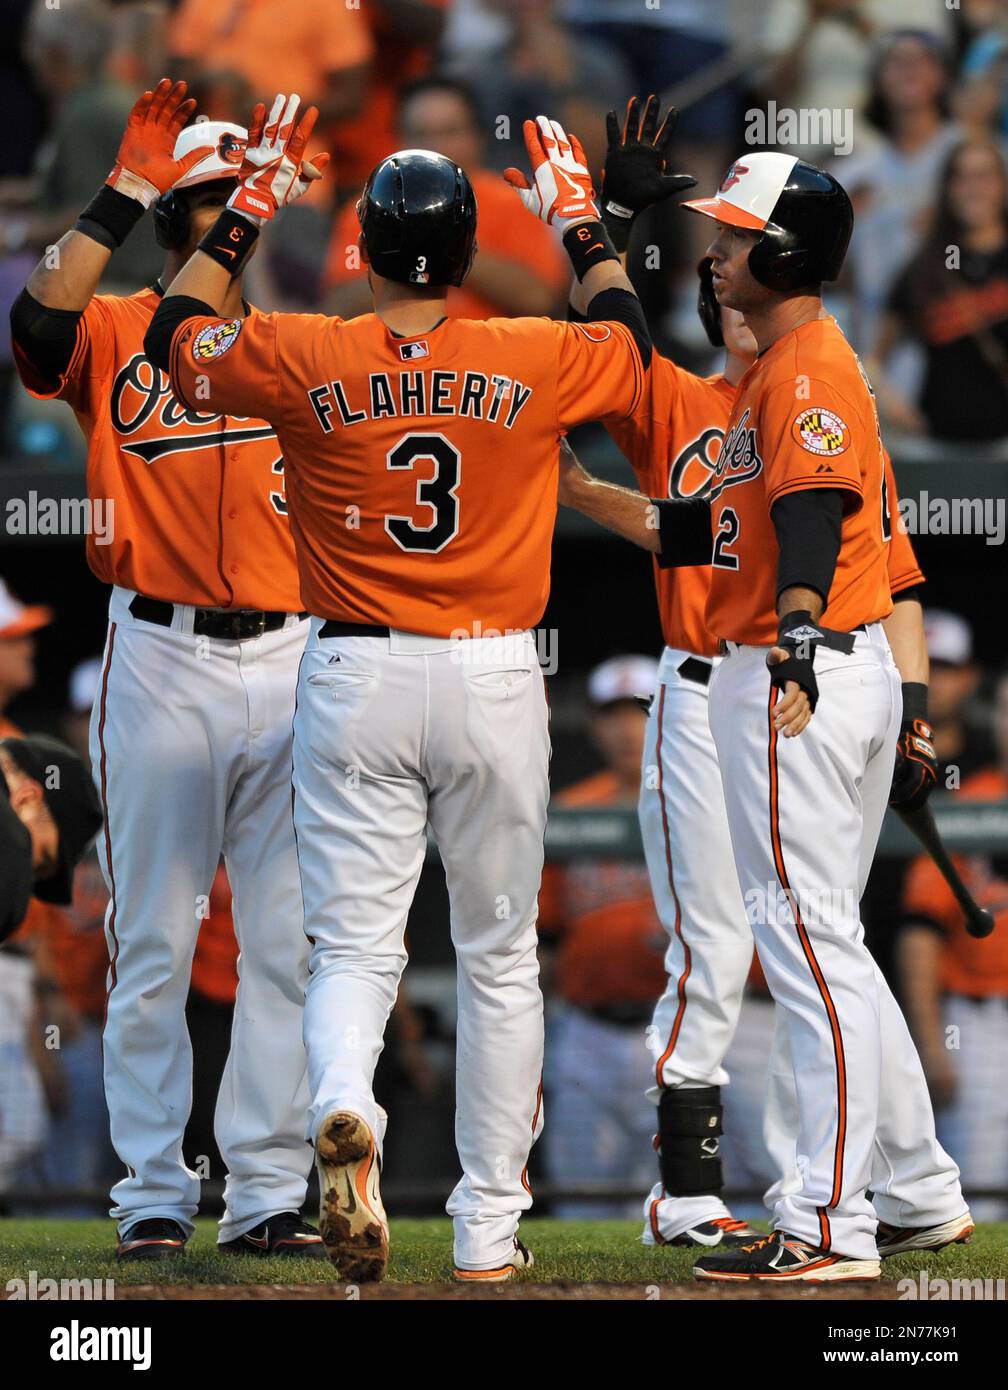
column 171, row 221
column 707, row 306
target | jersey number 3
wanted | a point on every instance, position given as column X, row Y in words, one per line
column 727, row 534
column 437, row 493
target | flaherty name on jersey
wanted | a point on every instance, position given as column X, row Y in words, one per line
column 492, row 397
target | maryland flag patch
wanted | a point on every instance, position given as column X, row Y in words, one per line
column 215, row 339
column 821, row 432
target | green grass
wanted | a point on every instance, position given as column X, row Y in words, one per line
column 565, row 1251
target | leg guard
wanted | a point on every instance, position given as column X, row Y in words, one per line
column 689, row 1139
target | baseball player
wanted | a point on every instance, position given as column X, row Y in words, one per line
column 673, row 441
column 422, row 472
column 794, row 528
column 190, row 733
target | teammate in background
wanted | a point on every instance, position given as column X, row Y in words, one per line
column 961, row 744
column 602, row 947
column 409, row 712
column 190, row 735
column 956, row 992
column 519, row 267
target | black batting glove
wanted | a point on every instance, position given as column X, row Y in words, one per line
column 635, row 174
column 799, row 636
column 916, row 770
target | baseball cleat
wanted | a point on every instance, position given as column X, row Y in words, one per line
column 520, row 1260
column 285, row 1234
column 352, row 1222
column 894, row 1240
column 155, row 1238
column 778, row 1257
column 724, row 1232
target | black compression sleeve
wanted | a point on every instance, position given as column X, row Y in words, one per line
column 45, row 336
column 173, row 310
column 684, row 528
column 623, row 306
column 808, row 536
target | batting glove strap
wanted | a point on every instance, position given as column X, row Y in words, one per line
column 230, row 240
column 800, row 670
column 109, row 217
column 133, row 186
column 588, row 244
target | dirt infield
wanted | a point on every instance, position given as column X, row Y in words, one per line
column 520, row 1292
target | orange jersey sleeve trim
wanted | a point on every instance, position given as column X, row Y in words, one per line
column 811, row 481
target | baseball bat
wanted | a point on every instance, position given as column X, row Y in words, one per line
column 979, row 922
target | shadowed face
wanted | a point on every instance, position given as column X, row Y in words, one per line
column 734, row 284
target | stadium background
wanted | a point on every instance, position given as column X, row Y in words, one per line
column 909, row 80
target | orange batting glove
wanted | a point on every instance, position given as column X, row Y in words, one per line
column 146, row 166
column 561, row 191
column 273, row 172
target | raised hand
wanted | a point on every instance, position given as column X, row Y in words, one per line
column 146, row 166
column 636, row 174
column 561, row 191
column 273, row 172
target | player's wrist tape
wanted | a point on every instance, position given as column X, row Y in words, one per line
column 229, row 240
column 618, row 222
column 109, row 217
column 915, row 699
column 588, row 244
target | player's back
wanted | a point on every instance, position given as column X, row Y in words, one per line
column 421, row 470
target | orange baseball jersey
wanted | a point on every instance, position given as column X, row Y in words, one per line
column 421, row 471
column 611, row 946
column 969, row 966
column 804, row 417
column 503, row 231
column 672, row 440
column 198, row 513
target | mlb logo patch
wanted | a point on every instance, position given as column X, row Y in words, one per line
column 409, row 352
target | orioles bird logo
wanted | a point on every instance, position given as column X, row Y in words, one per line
column 231, row 148
column 733, row 176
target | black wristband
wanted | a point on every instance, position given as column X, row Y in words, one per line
column 915, row 699
column 588, row 244
column 229, row 240
column 109, row 217
column 684, row 531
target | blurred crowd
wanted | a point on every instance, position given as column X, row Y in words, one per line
column 924, row 298
column 906, row 99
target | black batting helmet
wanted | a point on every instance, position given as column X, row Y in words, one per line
column 418, row 219
column 803, row 213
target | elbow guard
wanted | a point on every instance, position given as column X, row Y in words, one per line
column 170, row 313
column 45, row 336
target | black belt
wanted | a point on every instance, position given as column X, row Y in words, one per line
column 331, row 628
column 236, row 624
column 693, row 669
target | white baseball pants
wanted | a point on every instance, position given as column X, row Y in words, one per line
column 688, row 850
column 393, row 734
column 191, row 751
column 805, row 815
